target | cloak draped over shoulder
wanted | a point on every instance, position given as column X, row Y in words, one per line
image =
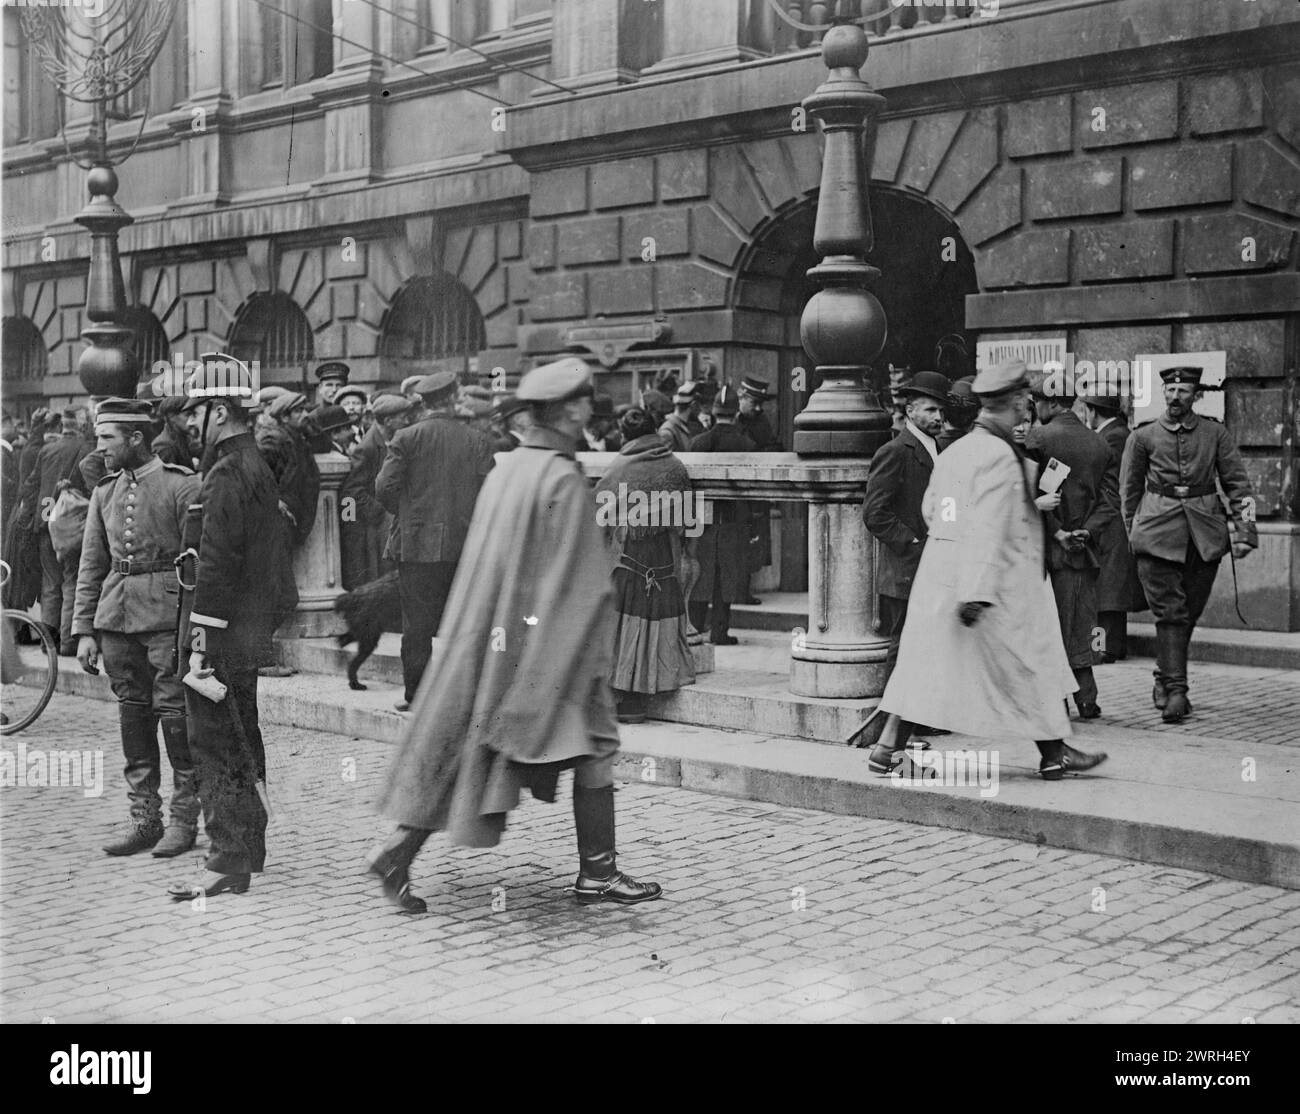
column 524, row 650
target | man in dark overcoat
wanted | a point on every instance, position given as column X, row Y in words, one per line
column 363, row 520
column 754, row 424
column 1089, row 502
column 900, row 473
column 243, row 588
column 724, row 544
column 1176, row 523
column 1118, row 589
column 430, row 479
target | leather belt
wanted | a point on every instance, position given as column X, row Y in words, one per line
column 1180, row 491
column 129, row 566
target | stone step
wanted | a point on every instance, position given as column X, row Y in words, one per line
column 1178, row 801
column 785, row 611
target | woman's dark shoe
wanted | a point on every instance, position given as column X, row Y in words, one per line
column 397, row 888
column 209, row 886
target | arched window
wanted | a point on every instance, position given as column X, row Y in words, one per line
column 150, row 340
column 273, row 331
column 24, row 362
column 433, row 322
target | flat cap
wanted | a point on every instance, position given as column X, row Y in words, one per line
column 126, row 411
column 333, row 369
column 929, row 384
column 483, row 394
column 1009, row 375
column 440, row 382
column 389, row 406
column 408, row 384
column 268, row 395
column 687, row 392
column 352, row 392
column 286, row 403
column 220, row 377
column 657, row 401
column 557, row 382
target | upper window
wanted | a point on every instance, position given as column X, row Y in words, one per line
column 30, row 100
column 287, row 43
column 167, row 84
column 432, row 25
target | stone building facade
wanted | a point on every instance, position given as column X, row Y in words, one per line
column 637, row 181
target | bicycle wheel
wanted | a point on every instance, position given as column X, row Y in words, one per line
column 29, row 670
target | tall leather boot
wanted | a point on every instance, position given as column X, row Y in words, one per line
column 1171, row 643
column 599, row 878
column 139, row 729
column 183, row 820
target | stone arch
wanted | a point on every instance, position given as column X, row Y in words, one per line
column 433, row 323
column 150, row 340
column 273, row 330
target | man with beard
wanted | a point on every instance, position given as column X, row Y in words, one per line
column 292, row 461
column 363, row 520
column 1176, row 523
column 429, row 481
column 509, row 708
column 1074, row 529
column 979, row 653
column 243, row 588
column 126, row 609
column 900, row 473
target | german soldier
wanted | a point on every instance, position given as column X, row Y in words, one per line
column 126, row 608
column 242, row 588
column 1176, row 523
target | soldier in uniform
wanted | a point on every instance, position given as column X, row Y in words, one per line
column 1074, row 528
column 723, row 546
column 1118, row 589
column 126, row 610
column 242, row 589
column 429, row 480
column 1176, row 523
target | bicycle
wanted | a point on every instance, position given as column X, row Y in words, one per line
column 29, row 667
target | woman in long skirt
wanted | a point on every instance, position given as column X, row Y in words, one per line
column 641, row 502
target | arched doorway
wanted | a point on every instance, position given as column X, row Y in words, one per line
column 434, row 324
column 272, row 330
column 927, row 271
column 24, row 363
column 150, row 340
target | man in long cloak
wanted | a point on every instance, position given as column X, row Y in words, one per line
column 522, row 688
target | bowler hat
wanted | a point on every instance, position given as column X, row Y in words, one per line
column 928, row 383
column 331, row 417
column 1098, row 401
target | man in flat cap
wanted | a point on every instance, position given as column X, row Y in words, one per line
column 522, row 690
column 513, row 418
column 126, row 609
column 1089, row 504
column 285, row 448
column 354, row 401
column 1118, row 589
column 1177, row 526
column 331, row 377
column 900, row 473
column 430, row 478
column 362, row 518
column 723, row 546
column 239, row 587
column 980, row 618
column 682, row 426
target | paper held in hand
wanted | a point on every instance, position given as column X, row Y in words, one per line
column 1053, row 476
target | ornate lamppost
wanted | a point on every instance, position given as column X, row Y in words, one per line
column 843, row 326
column 95, row 59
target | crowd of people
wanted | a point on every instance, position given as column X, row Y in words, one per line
column 1017, row 531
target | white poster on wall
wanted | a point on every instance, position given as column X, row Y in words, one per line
column 1035, row 353
column 1214, row 370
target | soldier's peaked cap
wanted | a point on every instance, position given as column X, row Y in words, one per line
column 560, row 381
column 755, row 388
column 1191, row 376
column 220, row 378
column 333, row 369
column 124, row 411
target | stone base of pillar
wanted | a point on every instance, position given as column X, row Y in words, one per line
column 831, row 676
column 702, row 657
column 312, row 624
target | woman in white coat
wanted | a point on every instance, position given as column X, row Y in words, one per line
column 981, row 651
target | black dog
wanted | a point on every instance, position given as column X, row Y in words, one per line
column 369, row 611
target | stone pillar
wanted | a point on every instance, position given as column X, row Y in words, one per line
column 840, row 656
column 698, row 34
column 318, row 564
column 600, row 42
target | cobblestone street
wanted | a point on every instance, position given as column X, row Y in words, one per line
column 770, row 914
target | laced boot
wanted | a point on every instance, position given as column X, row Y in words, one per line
column 139, row 730
column 599, row 878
